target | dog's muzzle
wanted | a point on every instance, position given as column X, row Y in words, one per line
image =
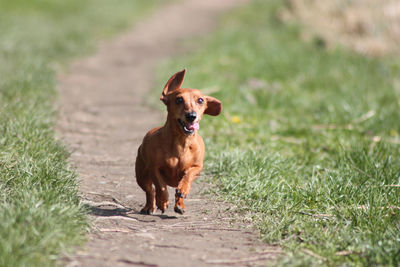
column 189, row 127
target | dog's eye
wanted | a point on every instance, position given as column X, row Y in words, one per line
column 179, row 100
column 200, row 101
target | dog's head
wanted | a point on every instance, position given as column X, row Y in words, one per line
column 187, row 106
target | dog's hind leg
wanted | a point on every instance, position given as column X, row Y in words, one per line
column 150, row 206
column 145, row 182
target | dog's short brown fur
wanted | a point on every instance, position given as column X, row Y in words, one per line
column 172, row 155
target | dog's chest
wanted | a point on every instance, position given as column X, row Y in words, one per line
column 179, row 163
column 176, row 163
column 172, row 162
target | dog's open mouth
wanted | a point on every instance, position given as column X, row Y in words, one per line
column 189, row 127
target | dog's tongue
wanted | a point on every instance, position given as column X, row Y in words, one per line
column 193, row 126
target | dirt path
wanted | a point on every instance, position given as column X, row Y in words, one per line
column 103, row 119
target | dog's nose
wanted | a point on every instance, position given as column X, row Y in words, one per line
column 191, row 116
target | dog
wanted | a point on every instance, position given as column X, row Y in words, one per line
column 172, row 155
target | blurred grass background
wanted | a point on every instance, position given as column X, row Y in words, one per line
column 40, row 215
column 370, row 27
column 308, row 140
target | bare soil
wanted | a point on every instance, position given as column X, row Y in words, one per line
column 103, row 120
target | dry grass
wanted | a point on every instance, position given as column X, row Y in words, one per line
column 370, row 27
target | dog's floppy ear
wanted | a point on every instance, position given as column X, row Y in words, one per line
column 214, row 106
column 175, row 82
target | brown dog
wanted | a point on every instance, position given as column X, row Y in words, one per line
column 173, row 154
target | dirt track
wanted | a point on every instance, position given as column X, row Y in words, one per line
column 103, row 120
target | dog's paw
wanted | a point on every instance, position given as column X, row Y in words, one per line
column 147, row 210
column 179, row 203
column 162, row 205
column 163, row 209
column 179, row 210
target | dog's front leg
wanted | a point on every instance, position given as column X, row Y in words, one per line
column 183, row 188
column 161, row 191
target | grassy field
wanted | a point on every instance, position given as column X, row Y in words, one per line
column 40, row 213
column 308, row 140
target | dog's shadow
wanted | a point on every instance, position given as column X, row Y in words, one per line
column 109, row 211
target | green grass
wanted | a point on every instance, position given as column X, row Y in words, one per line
column 40, row 215
column 308, row 139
